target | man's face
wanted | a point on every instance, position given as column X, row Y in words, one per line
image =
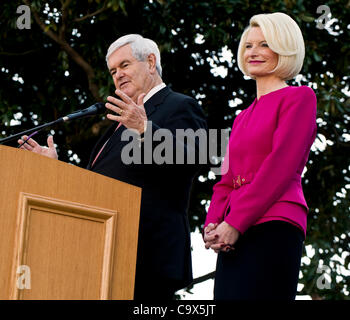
column 129, row 75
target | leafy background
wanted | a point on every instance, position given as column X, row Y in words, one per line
column 58, row 66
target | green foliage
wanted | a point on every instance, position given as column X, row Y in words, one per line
column 52, row 81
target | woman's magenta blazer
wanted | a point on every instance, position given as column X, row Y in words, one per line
column 267, row 152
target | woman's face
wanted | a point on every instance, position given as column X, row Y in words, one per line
column 259, row 59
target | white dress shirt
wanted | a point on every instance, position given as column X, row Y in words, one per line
column 153, row 91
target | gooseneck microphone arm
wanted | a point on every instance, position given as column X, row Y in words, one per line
column 38, row 128
column 97, row 108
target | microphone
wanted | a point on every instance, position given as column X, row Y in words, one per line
column 96, row 108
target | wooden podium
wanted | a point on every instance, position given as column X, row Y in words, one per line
column 65, row 232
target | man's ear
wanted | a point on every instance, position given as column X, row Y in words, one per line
column 151, row 60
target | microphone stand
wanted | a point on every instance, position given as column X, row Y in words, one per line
column 26, row 132
column 92, row 110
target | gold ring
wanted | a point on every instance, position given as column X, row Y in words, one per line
column 121, row 111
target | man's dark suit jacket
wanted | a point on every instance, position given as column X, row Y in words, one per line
column 164, row 235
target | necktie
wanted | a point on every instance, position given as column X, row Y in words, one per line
column 104, row 146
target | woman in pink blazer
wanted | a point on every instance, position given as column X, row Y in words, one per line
column 257, row 216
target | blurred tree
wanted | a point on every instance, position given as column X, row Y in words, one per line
column 58, row 66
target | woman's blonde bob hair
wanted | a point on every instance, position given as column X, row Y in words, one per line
column 284, row 37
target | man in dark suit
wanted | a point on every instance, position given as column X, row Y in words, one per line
column 147, row 107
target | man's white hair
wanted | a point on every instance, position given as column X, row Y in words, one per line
column 141, row 48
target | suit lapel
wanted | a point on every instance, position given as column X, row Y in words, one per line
column 115, row 137
column 157, row 99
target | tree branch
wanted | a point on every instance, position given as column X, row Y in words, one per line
column 19, row 53
column 62, row 31
column 42, row 25
column 104, row 7
column 59, row 39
